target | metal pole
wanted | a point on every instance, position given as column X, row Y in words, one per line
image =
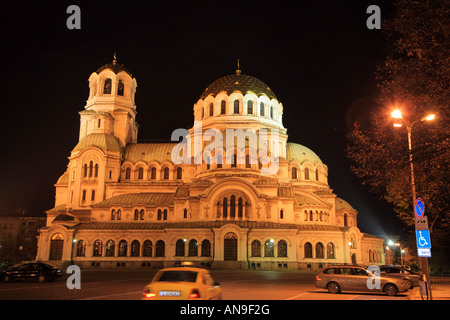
column 423, row 261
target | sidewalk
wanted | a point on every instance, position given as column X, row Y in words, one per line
column 439, row 291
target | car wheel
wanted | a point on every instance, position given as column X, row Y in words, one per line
column 333, row 287
column 390, row 289
column 41, row 278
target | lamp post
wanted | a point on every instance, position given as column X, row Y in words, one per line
column 396, row 114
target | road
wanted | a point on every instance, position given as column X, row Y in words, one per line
column 128, row 284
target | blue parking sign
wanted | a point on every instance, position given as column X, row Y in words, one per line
column 423, row 239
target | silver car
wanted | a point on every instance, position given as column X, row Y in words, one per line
column 353, row 278
column 400, row 273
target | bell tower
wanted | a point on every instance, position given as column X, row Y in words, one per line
column 111, row 107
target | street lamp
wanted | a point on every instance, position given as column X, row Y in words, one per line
column 396, row 114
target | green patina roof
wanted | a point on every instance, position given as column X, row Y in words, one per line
column 103, row 141
column 149, row 152
column 137, row 199
column 299, row 153
column 238, row 82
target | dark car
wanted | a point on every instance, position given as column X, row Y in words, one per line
column 401, row 273
column 37, row 270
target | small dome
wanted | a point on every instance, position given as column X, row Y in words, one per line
column 238, row 82
column 341, row 204
column 116, row 68
column 103, row 141
column 299, row 153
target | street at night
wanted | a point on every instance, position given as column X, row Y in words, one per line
column 236, row 285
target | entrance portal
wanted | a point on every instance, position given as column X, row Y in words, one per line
column 230, row 247
column 56, row 247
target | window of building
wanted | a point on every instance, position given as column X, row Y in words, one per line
column 81, row 248
column 223, row 106
column 83, row 196
column 160, row 248
column 120, row 88
column 91, row 169
column 249, row 107
column 261, row 109
column 282, row 248
column 185, row 213
column 107, row 87
column 98, row 248
column 236, row 106
column 166, row 173
column 308, row 250
column 153, row 173
column 179, row 173
column 317, row 174
column 268, row 248
column 123, row 248
column 330, row 251
column 281, row 214
column 271, row 112
column 306, row 174
column 193, row 248
column 128, row 173
column 211, row 109
column 294, row 173
column 141, row 173
column 319, row 250
column 256, row 248
column 135, row 248
column 147, row 248
column 206, row 248
column 179, row 248
column 110, row 248
column 93, row 195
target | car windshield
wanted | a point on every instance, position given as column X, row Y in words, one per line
column 185, row 276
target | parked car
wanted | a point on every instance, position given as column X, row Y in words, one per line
column 400, row 273
column 182, row 283
column 354, row 278
column 37, row 270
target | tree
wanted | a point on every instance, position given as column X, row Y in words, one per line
column 414, row 78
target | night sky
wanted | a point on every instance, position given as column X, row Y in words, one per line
column 317, row 56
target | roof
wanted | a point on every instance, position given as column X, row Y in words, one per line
column 299, row 153
column 341, row 204
column 137, row 199
column 149, row 152
column 114, row 67
column 238, row 82
column 103, row 141
column 302, row 200
column 201, row 225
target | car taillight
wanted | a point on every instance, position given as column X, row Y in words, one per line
column 194, row 294
column 148, row 294
column 318, row 278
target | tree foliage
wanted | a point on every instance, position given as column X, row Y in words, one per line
column 414, row 78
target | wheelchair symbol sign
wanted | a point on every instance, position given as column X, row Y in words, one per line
column 423, row 239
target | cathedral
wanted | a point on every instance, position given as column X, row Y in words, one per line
column 252, row 200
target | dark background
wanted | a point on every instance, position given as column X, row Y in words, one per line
column 317, row 56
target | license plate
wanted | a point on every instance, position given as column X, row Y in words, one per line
column 169, row 293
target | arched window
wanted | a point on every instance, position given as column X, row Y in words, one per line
column 96, row 171
column 249, row 107
column 330, row 251
column 311, row 216
column 98, row 248
column 294, row 173
column 193, row 248
column 93, row 195
column 308, row 250
column 141, row 173
column 223, row 106
column 236, row 106
column 135, row 248
column 113, row 214
column 136, row 214
column 225, row 208
column 81, row 248
column 83, row 196
column 232, row 207
column 179, row 248
column 165, row 214
column 271, row 112
column 179, row 173
column 345, row 220
column 281, row 214
column 147, row 248
column 85, row 171
column 370, row 255
column 306, row 174
column 153, row 173
column 233, row 160
column 319, row 250
column 185, row 213
column 107, row 87
column 166, row 173
column 110, row 248
column 206, row 248
column 160, row 248
column 56, row 247
column 282, row 248
column 128, row 173
column 268, row 248
column 120, row 88
column 159, row 214
column 119, row 214
column 261, row 109
column 91, row 169
column 240, row 208
column 247, row 161
column 141, row 214
column 317, row 174
column 123, row 248
column 211, row 109
column 256, row 248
